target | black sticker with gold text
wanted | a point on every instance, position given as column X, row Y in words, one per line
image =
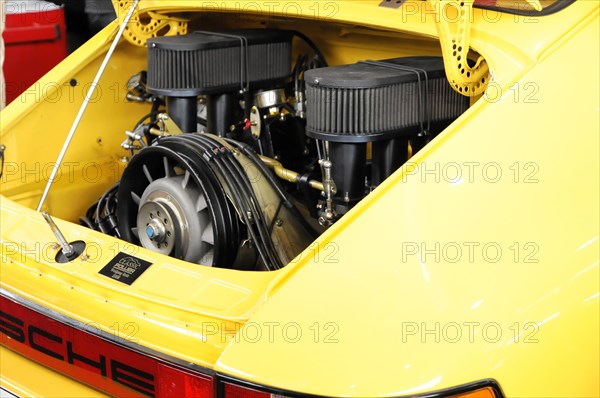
column 125, row 268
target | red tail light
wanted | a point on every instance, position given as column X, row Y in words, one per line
column 232, row 388
column 107, row 363
column 235, row 391
column 178, row 383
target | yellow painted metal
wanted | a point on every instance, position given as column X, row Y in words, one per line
column 149, row 25
column 453, row 22
column 535, row 4
column 43, row 114
column 18, row 374
column 352, row 293
column 174, row 305
column 436, row 280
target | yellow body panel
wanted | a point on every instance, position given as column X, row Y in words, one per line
column 41, row 381
column 493, row 274
column 510, row 246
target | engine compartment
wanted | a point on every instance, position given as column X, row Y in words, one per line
column 247, row 155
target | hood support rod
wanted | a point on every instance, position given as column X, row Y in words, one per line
column 85, row 103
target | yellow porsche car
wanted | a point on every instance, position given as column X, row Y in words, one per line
column 359, row 198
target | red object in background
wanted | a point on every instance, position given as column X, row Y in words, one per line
column 35, row 42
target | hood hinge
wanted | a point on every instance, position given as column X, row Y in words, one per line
column 453, row 23
column 138, row 32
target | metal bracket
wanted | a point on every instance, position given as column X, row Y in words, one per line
column 169, row 124
column 167, row 127
column 453, row 23
column 154, row 24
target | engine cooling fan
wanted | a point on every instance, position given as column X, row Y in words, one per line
column 171, row 202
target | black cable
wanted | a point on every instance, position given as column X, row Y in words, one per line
column 152, row 116
column 197, row 159
column 156, row 104
column 94, row 216
column 236, row 169
column 230, row 167
column 262, row 238
column 109, row 212
column 313, row 46
column 298, row 69
column 91, row 211
column 239, row 198
column 102, row 198
column 261, row 222
column 86, row 223
column 245, row 207
column 287, row 201
column 279, row 206
column 147, row 116
column 249, row 151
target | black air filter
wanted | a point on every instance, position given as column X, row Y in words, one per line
column 376, row 100
column 209, row 62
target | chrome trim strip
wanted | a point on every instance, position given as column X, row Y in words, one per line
column 4, row 393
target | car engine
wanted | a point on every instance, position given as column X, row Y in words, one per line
column 245, row 158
